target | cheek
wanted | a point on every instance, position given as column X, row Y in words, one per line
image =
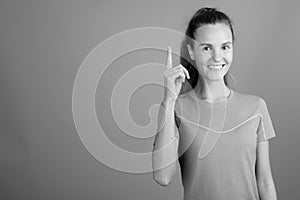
column 228, row 56
column 203, row 58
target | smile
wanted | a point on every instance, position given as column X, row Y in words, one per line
column 216, row 67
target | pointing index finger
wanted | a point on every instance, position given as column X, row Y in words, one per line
column 169, row 61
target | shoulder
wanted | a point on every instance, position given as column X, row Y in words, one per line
column 246, row 105
column 249, row 99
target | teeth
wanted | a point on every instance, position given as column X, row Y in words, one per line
column 215, row 66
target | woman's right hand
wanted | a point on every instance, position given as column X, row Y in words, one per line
column 173, row 79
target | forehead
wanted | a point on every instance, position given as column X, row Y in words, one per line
column 213, row 33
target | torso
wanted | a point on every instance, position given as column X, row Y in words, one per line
column 225, row 132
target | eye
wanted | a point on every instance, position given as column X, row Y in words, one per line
column 206, row 48
column 226, row 47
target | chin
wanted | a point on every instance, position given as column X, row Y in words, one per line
column 215, row 77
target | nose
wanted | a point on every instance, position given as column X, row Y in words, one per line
column 217, row 55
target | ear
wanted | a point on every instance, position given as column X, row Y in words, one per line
column 191, row 53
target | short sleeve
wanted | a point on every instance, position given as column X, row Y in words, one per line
column 265, row 128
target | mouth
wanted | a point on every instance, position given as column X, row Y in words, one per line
column 216, row 67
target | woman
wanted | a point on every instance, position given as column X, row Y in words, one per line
column 220, row 135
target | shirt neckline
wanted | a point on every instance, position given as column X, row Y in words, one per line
column 226, row 101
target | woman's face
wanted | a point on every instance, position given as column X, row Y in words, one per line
column 212, row 51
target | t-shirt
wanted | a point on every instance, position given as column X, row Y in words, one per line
column 217, row 145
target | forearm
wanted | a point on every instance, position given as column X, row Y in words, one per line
column 165, row 146
column 267, row 190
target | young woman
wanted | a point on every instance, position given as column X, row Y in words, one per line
column 220, row 135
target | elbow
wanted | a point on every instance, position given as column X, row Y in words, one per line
column 263, row 186
column 162, row 181
column 265, row 180
column 267, row 190
column 266, row 184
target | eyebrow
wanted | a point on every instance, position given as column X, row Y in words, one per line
column 207, row 44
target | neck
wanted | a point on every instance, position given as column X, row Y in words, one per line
column 212, row 91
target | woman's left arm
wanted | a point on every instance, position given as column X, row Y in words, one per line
column 265, row 183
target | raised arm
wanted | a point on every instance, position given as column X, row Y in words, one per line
column 167, row 138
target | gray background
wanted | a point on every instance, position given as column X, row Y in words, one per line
column 43, row 43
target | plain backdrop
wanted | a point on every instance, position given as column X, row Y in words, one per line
column 42, row 45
